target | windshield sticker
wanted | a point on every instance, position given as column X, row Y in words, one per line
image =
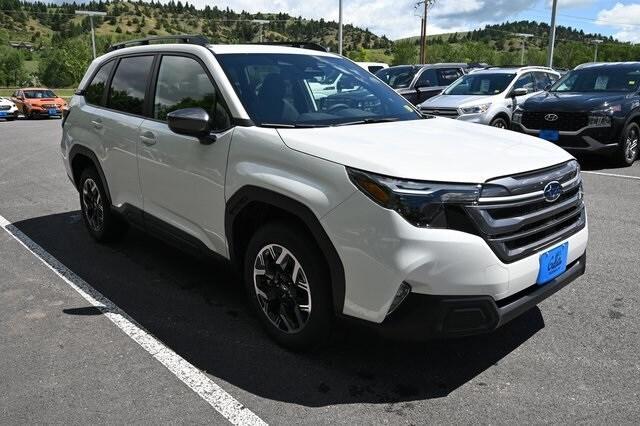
column 484, row 86
column 408, row 108
column 601, row 82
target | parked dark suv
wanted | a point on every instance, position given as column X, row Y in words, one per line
column 417, row 83
column 594, row 109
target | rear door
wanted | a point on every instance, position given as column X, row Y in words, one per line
column 182, row 179
column 433, row 81
column 119, row 122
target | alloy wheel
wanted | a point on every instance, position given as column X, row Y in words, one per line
column 93, row 206
column 281, row 288
column 499, row 124
column 631, row 145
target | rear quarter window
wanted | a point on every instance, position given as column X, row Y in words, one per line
column 95, row 90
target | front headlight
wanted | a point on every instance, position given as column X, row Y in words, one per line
column 421, row 203
column 599, row 121
column 476, row 109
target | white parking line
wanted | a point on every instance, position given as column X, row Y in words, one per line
column 220, row 400
column 612, row 175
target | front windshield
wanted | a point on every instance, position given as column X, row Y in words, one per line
column 398, row 77
column 480, row 84
column 599, row 79
column 282, row 90
column 38, row 94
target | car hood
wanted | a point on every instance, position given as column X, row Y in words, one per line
column 454, row 101
column 436, row 149
column 42, row 101
column 4, row 101
column 575, row 102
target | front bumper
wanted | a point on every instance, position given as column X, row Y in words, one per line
column 456, row 316
column 10, row 114
column 588, row 140
column 383, row 251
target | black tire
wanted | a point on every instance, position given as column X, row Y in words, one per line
column 499, row 122
column 629, row 145
column 307, row 329
column 101, row 222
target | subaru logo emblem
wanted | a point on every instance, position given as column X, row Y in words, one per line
column 551, row 117
column 552, row 191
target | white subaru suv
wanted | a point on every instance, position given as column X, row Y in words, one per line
column 349, row 205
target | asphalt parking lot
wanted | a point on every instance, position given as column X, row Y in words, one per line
column 575, row 358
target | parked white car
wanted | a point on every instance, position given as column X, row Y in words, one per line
column 8, row 110
column 348, row 205
column 489, row 96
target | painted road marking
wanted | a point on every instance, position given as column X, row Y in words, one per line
column 217, row 397
column 612, row 175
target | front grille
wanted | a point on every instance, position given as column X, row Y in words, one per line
column 49, row 106
column 440, row 112
column 521, row 223
column 566, row 121
column 5, row 107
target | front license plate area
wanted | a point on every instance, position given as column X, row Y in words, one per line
column 53, row 111
column 553, row 263
column 550, row 135
column 3, row 114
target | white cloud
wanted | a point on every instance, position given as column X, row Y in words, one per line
column 624, row 18
column 567, row 4
column 395, row 18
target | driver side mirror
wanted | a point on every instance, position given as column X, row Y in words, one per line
column 347, row 82
column 519, row 92
column 547, row 87
column 191, row 122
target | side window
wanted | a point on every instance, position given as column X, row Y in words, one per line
column 446, row 76
column 129, row 84
column 553, row 78
column 95, row 90
column 525, row 81
column 428, row 78
column 542, row 80
column 183, row 83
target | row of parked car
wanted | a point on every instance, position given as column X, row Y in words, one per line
column 32, row 102
column 591, row 109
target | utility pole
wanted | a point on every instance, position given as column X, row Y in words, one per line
column 524, row 39
column 597, row 43
column 340, row 27
column 91, row 14
column 261, row 22
column 552, row 34
column 423, row 29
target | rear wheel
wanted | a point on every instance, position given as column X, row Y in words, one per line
column 102, row 223
column 289, row 286
column 629, row 145
column 499, row 122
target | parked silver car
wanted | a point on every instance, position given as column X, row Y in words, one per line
column 489, row 96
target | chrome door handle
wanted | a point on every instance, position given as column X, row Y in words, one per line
column 148, row 138
column 97, row 124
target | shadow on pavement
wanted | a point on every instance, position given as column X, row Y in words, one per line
column 197, row 308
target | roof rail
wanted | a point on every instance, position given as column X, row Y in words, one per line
column 185, row 38
column 299, row 44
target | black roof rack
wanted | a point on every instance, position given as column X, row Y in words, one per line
column 187, row 39
column 298, row 44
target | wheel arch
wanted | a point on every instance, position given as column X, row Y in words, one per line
column 79, row 158
column 502, row 115
column 240, row 222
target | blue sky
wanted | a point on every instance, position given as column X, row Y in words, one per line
column 398, row 18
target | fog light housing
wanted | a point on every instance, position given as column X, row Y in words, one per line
column 402, row 294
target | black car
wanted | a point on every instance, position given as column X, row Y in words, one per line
column 593, row 109
column 417, row 83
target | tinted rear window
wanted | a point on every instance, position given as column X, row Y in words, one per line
column 129, row 84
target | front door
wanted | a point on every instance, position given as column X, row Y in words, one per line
column 183, row 179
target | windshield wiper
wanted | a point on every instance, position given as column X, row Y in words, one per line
column 292, row 126
column 368, row 121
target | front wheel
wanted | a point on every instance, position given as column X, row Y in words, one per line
column 628, row 150
column 499, row 122
column 288, row 286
